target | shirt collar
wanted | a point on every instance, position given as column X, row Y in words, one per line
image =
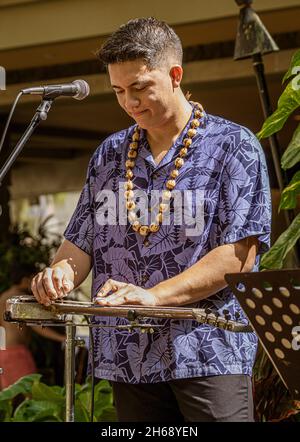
column 145, row 151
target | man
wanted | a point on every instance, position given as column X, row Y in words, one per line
column 184, row 371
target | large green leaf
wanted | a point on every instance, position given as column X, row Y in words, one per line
column 287, row 103
column 109, row 414
column 295, row 62
column 38, row 411
column 6, row 411
column 292, row 154
column 273, row 259
column 289, row 194
column 42, row 392
column 22, row 386
column 103, row 399
column 81, row 412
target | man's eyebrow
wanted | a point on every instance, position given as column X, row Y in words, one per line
column 132, row 84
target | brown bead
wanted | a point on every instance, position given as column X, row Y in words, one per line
column 163, row 207
column 130, row 205
column 136, row 226
column 128, row 185
column 128, row 194
column 154, row 228
column 129, row 174
column 195, row 123
column 159, row 218
column 187, row 142
column 199, row 114
column 144, row 230
column 166, row 195
column 179, row 162
column 129, row 164
column 132, row 154
column 183, row 152
column 133, row 145
column 132, row 216
column 136, row 136
column 171, row 184
column 191, row 132
column 174, row 174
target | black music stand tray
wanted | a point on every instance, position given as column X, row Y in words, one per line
column 271, row 301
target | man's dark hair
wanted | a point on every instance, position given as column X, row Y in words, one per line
column 147, row 39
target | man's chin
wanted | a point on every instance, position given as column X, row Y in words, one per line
column 141, row 121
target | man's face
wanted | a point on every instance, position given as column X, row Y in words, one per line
column 144, row 94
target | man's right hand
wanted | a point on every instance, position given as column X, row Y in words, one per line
column 51, row 284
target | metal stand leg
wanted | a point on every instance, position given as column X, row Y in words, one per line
column 70, row 371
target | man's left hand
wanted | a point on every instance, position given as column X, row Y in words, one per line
column 124, row 293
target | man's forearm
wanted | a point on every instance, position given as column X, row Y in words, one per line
column 206, row 277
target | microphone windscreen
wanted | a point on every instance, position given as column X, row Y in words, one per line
column 83, row 89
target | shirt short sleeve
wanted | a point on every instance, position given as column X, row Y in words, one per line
column 245, row 203
column 80, row 230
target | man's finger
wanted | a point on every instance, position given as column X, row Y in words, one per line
column 110, row 285
column 122, row 291
column 34, row 289
column 57, row 278
column 48, row 284
column 43, row 297
column 110, row 300
column 122, row 296
column 67, row 285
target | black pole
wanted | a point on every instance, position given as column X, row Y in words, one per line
column 267, row 111
column 40, row 115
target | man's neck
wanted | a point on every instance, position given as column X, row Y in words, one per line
column 162, row 137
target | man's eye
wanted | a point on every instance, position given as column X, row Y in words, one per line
column 119, row 92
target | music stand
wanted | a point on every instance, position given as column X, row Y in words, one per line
column 271, row 301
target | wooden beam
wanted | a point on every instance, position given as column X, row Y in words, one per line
column 200, row 52
column 201, row 72
column 35, row 23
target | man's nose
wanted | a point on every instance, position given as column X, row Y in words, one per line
column 131, row 102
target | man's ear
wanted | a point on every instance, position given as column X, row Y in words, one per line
column 176, row 73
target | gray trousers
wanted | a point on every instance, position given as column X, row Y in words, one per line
column 222, row 398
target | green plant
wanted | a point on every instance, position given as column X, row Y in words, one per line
column 41, row 403
column 288, row 102
column 273, row 401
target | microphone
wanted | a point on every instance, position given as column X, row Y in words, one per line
column 78, row 89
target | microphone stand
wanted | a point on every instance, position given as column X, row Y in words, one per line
column 40, row 115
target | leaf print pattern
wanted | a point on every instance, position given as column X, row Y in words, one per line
column 225, row 162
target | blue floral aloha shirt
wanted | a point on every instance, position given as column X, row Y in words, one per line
column 226, row 162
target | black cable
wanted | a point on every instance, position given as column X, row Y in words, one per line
column 91, row 339
column 9, row 118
